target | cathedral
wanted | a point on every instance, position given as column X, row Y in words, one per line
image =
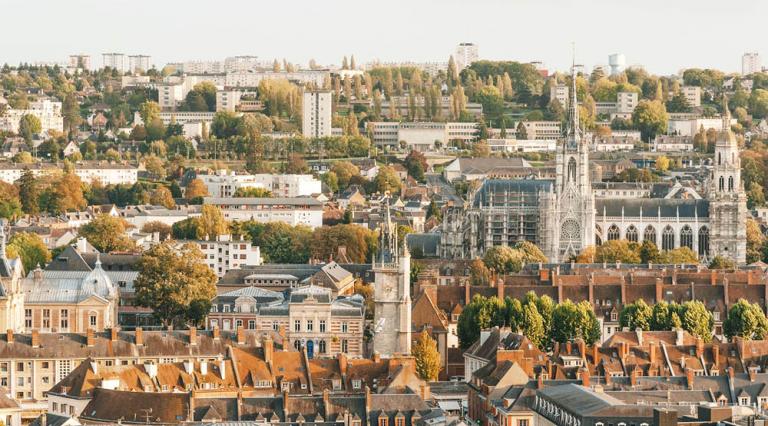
column 566, row 214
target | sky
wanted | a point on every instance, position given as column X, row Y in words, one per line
column 664, row 36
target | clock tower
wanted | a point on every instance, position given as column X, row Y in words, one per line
column 392, row 295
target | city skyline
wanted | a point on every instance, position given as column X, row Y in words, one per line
column 336, row 32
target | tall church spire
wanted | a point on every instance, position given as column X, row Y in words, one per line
column 574, row 131
column 727, row 133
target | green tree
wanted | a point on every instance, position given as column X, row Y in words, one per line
column 30, row 248
column 172, row 281
column 107, row 234
column 532, row 325
column 617, row 251
column 280, row 242
column 721, row 262
column 387, row 180
column 29, row 192
column 746, row 320
column 243, row 192
column 416, row 164
column 649, row 253
column 29, row 125
column 161, row 228
column 650, row 117
column 697, row 320
column 636, row 315
column 480, row 149
column 427, row 357
column 755, row 241
column 149, row 112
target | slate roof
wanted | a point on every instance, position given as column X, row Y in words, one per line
column 526, row 191
column 651, row 207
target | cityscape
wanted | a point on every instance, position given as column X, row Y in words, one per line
column 361, row 239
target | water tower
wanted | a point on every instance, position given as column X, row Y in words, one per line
column 617, row 61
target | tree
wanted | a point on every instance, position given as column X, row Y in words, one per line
column 617, row 251
column 154, row 166
column 697, row 320
column 481, row 313
column 569, row 322
column 427, row 357
column 156, row 226
column 416, row 164
column 636, row 315
column 650, row 117
column 662, row 163
column 746, row 320
column 721, row 262
column 479, row 273
column 70, row 110
column 68, row 194
column 480, row 149
column 172, row 281
column 296, row 164
column 212, row 221
column 30, row 248
column 532, row 325
column 280, row 242
column 499, row 258
column 29, row 192
column 29, row 125
column 107, row 234
column 344, row 171
column 162, row 197
column 491, row 99
column 149, row 112
column 678, row 256
column 755, row 241
column 665, row 316
column 359, row 242
column 195, row 189
column 253, row 192
column 387, row 180
column 649, row 253
column 522, row 131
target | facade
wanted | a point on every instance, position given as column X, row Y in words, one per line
column 87, row 171
column 692, row 95
column 543, row 130
column 691, row 126
column 559, row 92
column 667, row 143
column 116, row 61
column 224, row 253
column 400, row 106
column 81, row 61
column 293, row 211
column 563, row 216
column 421, row 136
column 751, row 63
column 316, row 122
column 47, row 111
column 224, row 184
column 139, row 63
column 466, row 53
column 521, row 145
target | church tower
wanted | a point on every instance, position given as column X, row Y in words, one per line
column 572, row 220
column 392, row 295
column 727, row 199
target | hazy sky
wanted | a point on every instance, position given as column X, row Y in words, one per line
column 663, row 35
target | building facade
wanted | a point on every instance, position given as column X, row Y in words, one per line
column 225, row 184
column 293, row 211
column 316, row 122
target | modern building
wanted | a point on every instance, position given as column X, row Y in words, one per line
column 421, row 136
column 543, row 130
column 46, row 110
column 293, row 211
column 400, row 106
column 81, row 61
column 115, row 61
column 139, row 63
column 618, row 62
column 466, row 53
column 521, row 145
column 559, row 92
column 224, row 253
column 751, row 63
column 226, row 184
column 87, row 171
column 692, row 95
column 316, row 118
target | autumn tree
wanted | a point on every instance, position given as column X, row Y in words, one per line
column 387, row 180
column 196, row 189
column 427, row 357
column 107, row 234
column 212, row 221
column 479, row 273
column 161, row 228
column 162, row 196
column 175, row 283
column 30, row 248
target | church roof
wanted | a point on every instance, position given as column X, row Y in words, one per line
column 651, row 207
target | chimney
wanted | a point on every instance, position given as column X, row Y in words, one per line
column 652, row 353
column 216, row 332
column 9, row 335
column 151, row 369
column 342, row 363
column 639, row 334
column 689, row 378
column 467, row 294
column 192, row 336
column 203, row 367
column 89, row 339
column 35, row 338
column 584, row 373
column 223, row 369
column 240, row 336
column 715, row 353
column 139, row 337
column 568, row 347
column 582, row 348
column 699, row 347
column 752, row 371
column 44, row 419
column 540, row 382
column 368, row 403
column 424, row 391
column 633, row 378
column 678, row 337
column 623, row 350
column 556, row 349
column 595, row 354
column 376, row 357
column 113, row 334
column 326, row 403
column 269, row 350
column 189, row 366
column 730, row 373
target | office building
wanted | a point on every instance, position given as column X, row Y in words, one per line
column 316, row 122
column 692, row 95
column 226, row 184
column 293, row 211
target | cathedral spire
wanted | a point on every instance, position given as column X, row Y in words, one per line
column 574, row 131
column 727, row 133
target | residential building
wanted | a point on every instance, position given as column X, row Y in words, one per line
column 251, row 79
column 81, row 61
column 87, row 171
column 543, row 130
column 127, row 81
column 139, row 63
column 237, row 100
column 293, row 211
column 226, row 184
column 339, row 278
column 316, row 121
column 612, row 143
column 468, row 169
column 691, row 126
column 692, row 95
column 431, row 68
column 559, row 92
column 751, row 63
column 466, row 53
column 666, row 143
column 115, row 61
column 224, row 253
column 47, row 111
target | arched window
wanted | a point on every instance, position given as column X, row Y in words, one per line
column 613, row 233
column 730, row 183
column 686, row 237
column 572, row 170
column 668, row 238
column 631, row 233
column 703, row 241
column 650, row 234
column 722, row 183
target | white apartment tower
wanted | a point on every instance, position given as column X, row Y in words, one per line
column 466, row 53
column 139, row 63
column 80, row 61
column 750, row 63
column 316, row 121
column 114, row 61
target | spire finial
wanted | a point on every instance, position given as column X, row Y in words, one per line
column 574, row 132
column 726, row 114
column 98, row 260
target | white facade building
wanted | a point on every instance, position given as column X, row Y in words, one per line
column 225, row 184
column 81, row 61
column 466, row 53
column 139, row 63
column 225, row 253
column 293, row 211
column 750, row 63
column 689, row 127
column 47, row 111
column 617, row 61
column 521, row 145
column 316, row 122
column 692, row 95
column 88, row 172
column 560, row 92
column 421, row 136
column 114, row 60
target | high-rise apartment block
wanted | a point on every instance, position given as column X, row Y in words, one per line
column 317, row 114
column 466, row 53
column 138, row 63
column 750, row 63
column 114, row 60
column 80, row 61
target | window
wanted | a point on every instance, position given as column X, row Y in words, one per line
column 703, row 241
column 322, row 326
column 357, row 384
column 45, row 365
column 686, row 237
column 92, row 320
column 310, row 325
column 28, row 318
column 46, row 318
column 744, row 400
column 275, row 326
column 522, row 422
column 20, row 366
column 297, row 325
column 668, row 239
column 345, row 346
column 55, row 406
column 400, row 420
column 572, row 170
column 226, row 308
column 344, row 327
column 722, row 183
column 613, row 233
column 631, row 233
column 730, row 183
column 238, row 323
column 251, row 325
column 297, row 345
column 64, row 319
column 650, row 234
column 321, row 347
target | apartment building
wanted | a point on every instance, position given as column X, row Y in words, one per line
column 316, row 117
column 559, row 92
column 81, row 61
column 751, row 63
column 116, row 61
column 87, row 171
column 543, row 130
column 421, row 136
column 139, row 63
column 225, row 184
column 521, row 145
column 692, row 95
column 691, row 126
column 466, row 53
column 317, row 78
column 46, row 110
column 232, row 100
column 224, row 253
column 293, row 211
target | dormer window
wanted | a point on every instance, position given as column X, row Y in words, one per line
column 614, row 316
column 357, row 384
column 744, row 400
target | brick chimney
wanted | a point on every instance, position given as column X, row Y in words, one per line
column 35, row 338
column 730, row 372
column 326, row 403
column 623, row 350
column 699, row 347
column 582, row 348
column 652, row 353
column 568, row 347
column 595, row 354
column 216, row 332
column 466, row 293
column 89, row 338
column 715, row 353
column 424, row 391
column 9, row 335
column 192, row 336
column 269, row 350
column 500, row 289
column 113, row 334
column 540, row 382
column 139, row 337
column 584, row 375
column 240, row 336
column 342, row 363
column 633, row 378
column 376, row 357
column 368, row 403
column 689, row 378
column 752, row 371
column 659, row 290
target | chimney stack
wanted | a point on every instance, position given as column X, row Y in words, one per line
column 568, row 347
column 689, row 378
column 223, row 369
column 203, row 367
column 595, row 354
column 639, row 334
column 699, row 347
column 678, row 337
column 633, row 377
column 216, row 332
column 192, row 336
column 139, row 337
column 342, row 363
column 113, row 334
column 89, row 339
column 240, row 336
column 540, row 381
column 582, row 348
column 584, row 373
column 9, row 335
column 269, row 350
column 35, row 338
column 715, row 353
column 368, row 403
column 652, row 353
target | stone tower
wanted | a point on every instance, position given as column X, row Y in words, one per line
column 727, row 199
column 392, row 295
column 571, row 214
